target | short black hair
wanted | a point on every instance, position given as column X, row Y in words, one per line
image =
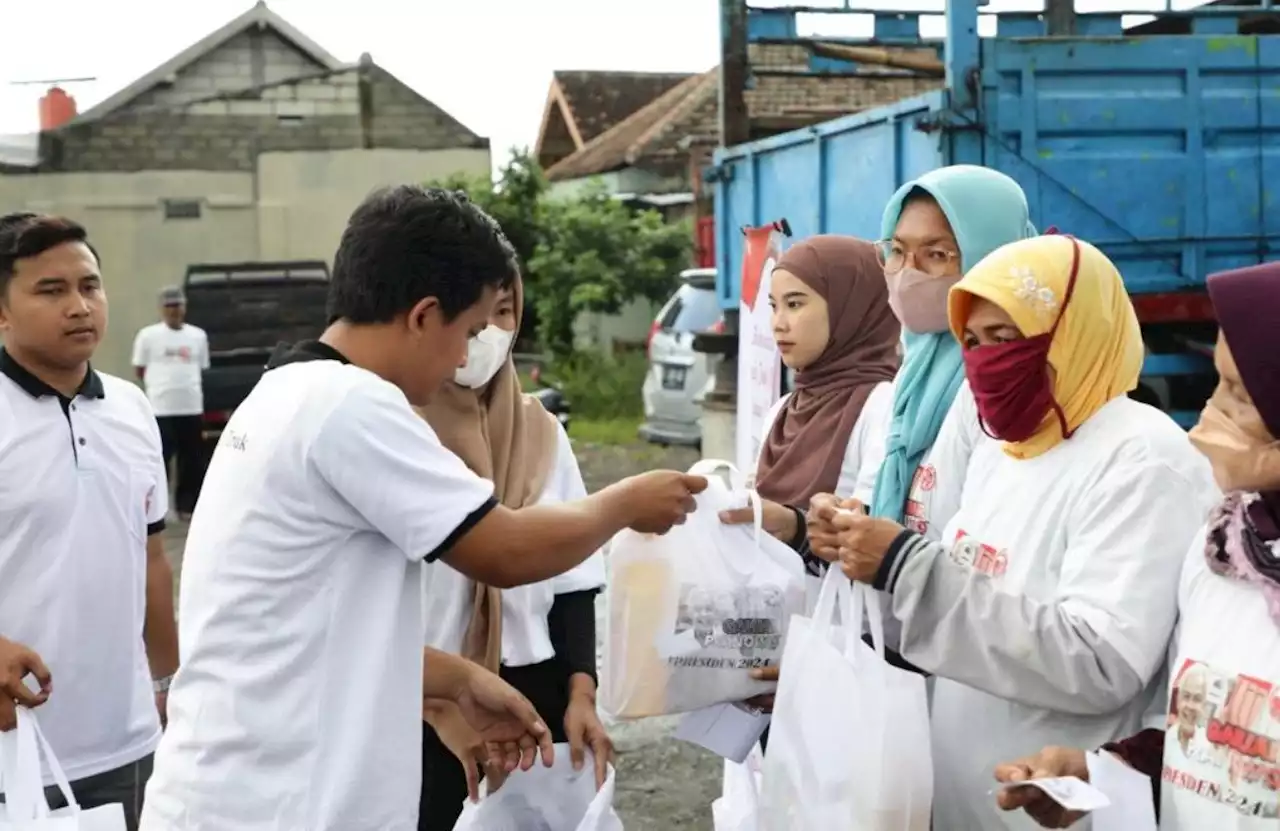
column 25, row 234
column 406, row 243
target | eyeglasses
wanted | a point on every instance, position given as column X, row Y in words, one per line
column 934, row 260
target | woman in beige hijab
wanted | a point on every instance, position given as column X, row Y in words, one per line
column 540, row 638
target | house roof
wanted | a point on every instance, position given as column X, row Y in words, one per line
column 642, row 132
column 259, row 16
column 599, row 100
column 785, row 96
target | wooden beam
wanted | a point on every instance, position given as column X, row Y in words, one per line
column 922, row 64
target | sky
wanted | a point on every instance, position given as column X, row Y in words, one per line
column 487, row 62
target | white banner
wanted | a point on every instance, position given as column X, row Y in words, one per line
column 759, row 362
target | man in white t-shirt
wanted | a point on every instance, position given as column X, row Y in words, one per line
column 299, row 705
column 86, row 593
column 170, row 357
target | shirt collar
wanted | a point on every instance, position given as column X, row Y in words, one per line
column 311, row 350
column 90, row 387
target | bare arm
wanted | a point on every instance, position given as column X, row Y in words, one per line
column 514, row 548
column 141, row 372
column 160, row 628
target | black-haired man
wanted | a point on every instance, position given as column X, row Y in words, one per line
column 300, row 700
column 82, row 500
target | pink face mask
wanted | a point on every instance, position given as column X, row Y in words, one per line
column 920, row 301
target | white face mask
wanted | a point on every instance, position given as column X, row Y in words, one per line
column 486, row 353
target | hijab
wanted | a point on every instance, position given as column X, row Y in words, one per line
column 985, row 209
column 510, row 439
column 805, row 448
column 1238, row 427
column 1097, row 349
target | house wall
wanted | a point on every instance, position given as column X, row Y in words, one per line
column 251, row 58
column 288, row 206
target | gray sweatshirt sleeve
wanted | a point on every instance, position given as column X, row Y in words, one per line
column 1089, row 645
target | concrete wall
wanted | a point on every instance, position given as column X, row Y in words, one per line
column 290, row 206
column 228, row 132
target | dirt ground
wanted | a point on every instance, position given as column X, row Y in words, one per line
column 663, row 784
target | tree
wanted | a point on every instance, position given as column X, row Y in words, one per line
column 596, row 255
column 589, row 253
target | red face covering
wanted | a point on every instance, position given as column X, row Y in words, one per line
column 1011, row 382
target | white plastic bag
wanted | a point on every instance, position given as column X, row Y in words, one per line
column 25, row 808
column 557, row 798
column 849, row 744
column 738, row 808
column 691, row 612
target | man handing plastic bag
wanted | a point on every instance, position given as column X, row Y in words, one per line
column 557, row 798
column 25, row 807
column 849, row 744
column 690, row 613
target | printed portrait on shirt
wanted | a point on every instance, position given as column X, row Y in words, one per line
column 1222, row 739
column 916, row 511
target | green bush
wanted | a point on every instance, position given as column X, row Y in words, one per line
column 601, row 387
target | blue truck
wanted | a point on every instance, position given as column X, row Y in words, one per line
column 1161, row 149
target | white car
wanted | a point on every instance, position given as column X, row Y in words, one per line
column 677, row 375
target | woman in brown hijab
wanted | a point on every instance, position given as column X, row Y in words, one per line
column 548, row 648
column 834, row 327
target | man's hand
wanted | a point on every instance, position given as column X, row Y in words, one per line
column 822, row 533
column 583, row 728
column 498, row 713
column 1052, row 761
column 764, row 701
column 862, row 541
column 468, row 747
column 162, row 707
column 779, row 520
column 657, row 500
column 16, row 662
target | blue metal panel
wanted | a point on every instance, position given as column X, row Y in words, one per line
column 1162, row 366
column 1163, row 151
column 833, row 178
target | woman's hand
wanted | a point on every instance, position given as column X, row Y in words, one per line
column 764, row 701
column 862, row 541
column 584, row 730
column 1050, row 762
column 822, row 532
column 779, row 520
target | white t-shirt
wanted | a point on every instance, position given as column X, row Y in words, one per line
column 526, row 639
column 80, row 490
column 866, row 442
column 934, row 495
column 1047, row 609
column 1222, row 740
column 298, row 706
column 173, row 360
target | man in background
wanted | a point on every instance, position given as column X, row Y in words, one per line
column 169, row 358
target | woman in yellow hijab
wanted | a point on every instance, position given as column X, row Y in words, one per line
column 1045, row 610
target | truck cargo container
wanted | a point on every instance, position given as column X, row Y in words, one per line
column 1161, row 149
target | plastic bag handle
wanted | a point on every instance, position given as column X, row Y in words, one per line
column 20, row 770
column 855, row 602
column 737, row 481
column 708, row 467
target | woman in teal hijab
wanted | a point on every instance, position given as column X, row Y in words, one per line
column 933, row 230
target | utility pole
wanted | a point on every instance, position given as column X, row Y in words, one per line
column 735, row 124
column 1060, row 17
